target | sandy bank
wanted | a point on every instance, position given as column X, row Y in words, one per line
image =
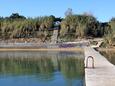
column 41, row 49
column 106, row 49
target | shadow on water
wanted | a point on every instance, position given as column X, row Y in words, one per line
column 42, row 68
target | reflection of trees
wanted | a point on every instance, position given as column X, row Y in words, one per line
column 44, row 67
column 26, row 66
column 72, row 67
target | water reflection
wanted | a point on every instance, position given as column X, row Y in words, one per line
column 43, row 66
column 110, row 55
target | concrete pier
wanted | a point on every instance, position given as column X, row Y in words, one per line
column 104, row 72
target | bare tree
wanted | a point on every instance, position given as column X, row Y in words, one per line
column 69, row 12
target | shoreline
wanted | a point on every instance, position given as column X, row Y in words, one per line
column 41, row 49
column 52, row 49
column 105, row 49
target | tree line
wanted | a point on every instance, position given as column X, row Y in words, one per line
column 70, row 28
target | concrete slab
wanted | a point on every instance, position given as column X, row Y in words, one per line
column 104, row 72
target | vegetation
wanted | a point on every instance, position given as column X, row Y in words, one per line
column 71, row 27
column 110, row 55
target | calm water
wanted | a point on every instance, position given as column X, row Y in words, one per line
column 110, row 55
column 41, row 69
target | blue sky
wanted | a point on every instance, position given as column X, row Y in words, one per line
column 103, row 10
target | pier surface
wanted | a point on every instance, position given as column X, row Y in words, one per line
column 104, row 72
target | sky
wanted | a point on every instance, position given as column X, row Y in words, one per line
column 103, row 10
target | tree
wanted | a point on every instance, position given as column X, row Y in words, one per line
column 16, row 16
column 112, row 24
column 69, row 12
column 79, row 26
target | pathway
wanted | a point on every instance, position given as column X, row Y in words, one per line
column 104, row 72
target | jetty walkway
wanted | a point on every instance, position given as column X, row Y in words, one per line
column 103, row 73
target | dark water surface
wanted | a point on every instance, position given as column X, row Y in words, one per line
column 41, row 69
column 110, row 55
